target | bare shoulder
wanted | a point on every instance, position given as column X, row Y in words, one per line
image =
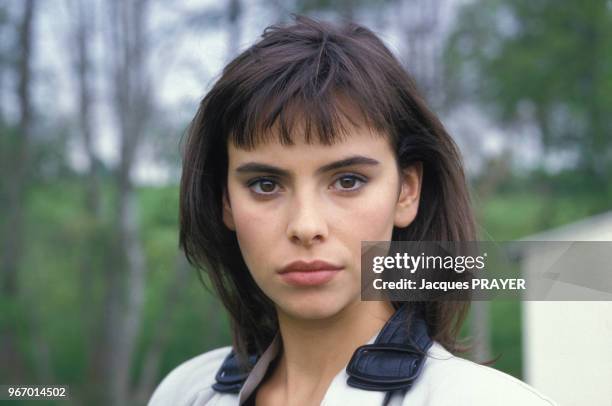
column 190, row 379
column 450, row 379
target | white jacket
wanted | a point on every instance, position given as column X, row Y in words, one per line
column 444, row 379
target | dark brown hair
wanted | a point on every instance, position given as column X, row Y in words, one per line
column 307, row 65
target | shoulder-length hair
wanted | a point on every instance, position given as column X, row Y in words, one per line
column 308, row 64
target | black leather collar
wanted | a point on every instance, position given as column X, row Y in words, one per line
column 392, row 362
column 229, row 377
column 395, row 360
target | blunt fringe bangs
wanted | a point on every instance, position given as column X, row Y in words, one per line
column 304, row 73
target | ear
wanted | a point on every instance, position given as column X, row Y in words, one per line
column 228, row 217
column 407, row 205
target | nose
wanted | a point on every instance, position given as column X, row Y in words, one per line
column 307, row 225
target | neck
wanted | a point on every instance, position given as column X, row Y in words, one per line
column 315, row 351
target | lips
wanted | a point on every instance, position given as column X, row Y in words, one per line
column 302, row 273
column 303, row 266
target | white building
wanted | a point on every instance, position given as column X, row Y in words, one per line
column 567, row 345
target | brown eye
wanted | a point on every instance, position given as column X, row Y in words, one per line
column 347, row 182
column 265, row 186
column 350, row 183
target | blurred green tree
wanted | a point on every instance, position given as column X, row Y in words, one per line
column 546, row 63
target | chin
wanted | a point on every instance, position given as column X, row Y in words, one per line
column 312, row 308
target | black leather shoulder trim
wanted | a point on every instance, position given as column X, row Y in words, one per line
column 395, row 360
column 229, row 377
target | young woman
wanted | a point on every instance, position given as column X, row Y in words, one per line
column 313, row 140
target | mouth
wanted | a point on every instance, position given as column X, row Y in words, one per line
column 302, row 273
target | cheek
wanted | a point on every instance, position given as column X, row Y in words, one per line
column 372, row 219
column 255, row 228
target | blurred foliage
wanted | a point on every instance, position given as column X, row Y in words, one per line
column 59, row 230
column 545, row 62
column 344, row 7
column 534, row 201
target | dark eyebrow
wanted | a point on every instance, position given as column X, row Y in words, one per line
column 352, row 160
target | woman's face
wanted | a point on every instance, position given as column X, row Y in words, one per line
column 307, row 202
